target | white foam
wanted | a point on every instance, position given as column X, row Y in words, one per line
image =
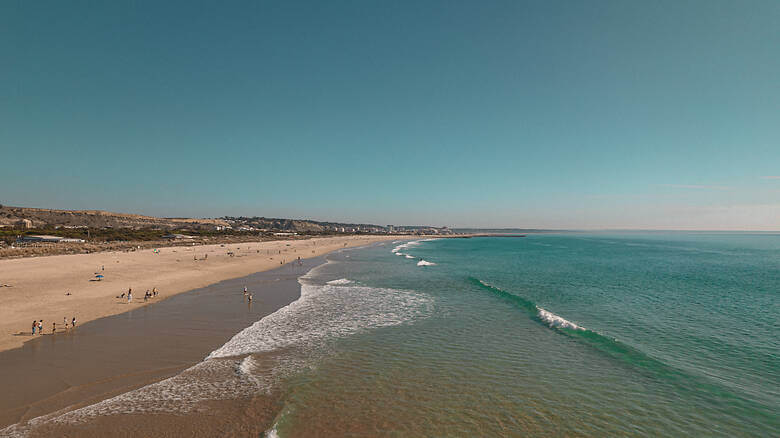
column 405, row 245
column 409, row 256
column 424, row 263
column 340, row 281
column 272, row 433
column 310, row 274
column 218, row 379
column 325, row 312
column 554, row 320
column 247, row 365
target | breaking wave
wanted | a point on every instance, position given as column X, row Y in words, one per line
column 554, row 320
column 640, row 361
column 405, row 246
column 397, row 251
column 607, row 345
column 542, row 315
column 325, row 312
column 340, row 281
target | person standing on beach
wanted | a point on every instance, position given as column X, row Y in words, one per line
column 40, row 327
column 35, row 324
column 53, row 327
column 129, row 296
column 73, row 322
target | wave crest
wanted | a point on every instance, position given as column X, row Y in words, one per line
column 340, row 281
column 554, row 320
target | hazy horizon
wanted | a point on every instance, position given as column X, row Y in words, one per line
column 553, row 115
column 455, row 227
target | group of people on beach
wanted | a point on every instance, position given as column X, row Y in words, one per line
column 149, row 294
column 38, row 325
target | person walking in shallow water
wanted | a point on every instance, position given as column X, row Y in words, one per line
column 35, row 324
column 73, row 322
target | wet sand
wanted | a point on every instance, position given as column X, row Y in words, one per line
column 113, row 355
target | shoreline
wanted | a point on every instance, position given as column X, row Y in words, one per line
column 123, row 352
column 39, row 285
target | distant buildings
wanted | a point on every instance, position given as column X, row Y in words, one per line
column 311, row 227
column 49, row 239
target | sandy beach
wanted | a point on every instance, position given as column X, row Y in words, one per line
column 57, row 287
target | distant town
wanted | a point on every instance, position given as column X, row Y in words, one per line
column 265, row 225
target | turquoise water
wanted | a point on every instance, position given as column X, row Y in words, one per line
column 564, row 334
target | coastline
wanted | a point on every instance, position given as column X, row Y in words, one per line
column 39, row 285
column 119, row 353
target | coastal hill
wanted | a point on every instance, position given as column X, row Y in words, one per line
column 23, row 217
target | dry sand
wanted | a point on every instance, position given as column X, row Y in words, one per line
column 38, row 286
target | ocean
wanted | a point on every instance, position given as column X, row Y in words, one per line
column 656, row 334
column 568, row 334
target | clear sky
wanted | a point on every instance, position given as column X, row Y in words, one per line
column 551, row 114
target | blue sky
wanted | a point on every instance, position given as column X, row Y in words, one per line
column 552, row 114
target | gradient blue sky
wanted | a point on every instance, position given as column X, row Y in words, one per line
column 553, row 114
